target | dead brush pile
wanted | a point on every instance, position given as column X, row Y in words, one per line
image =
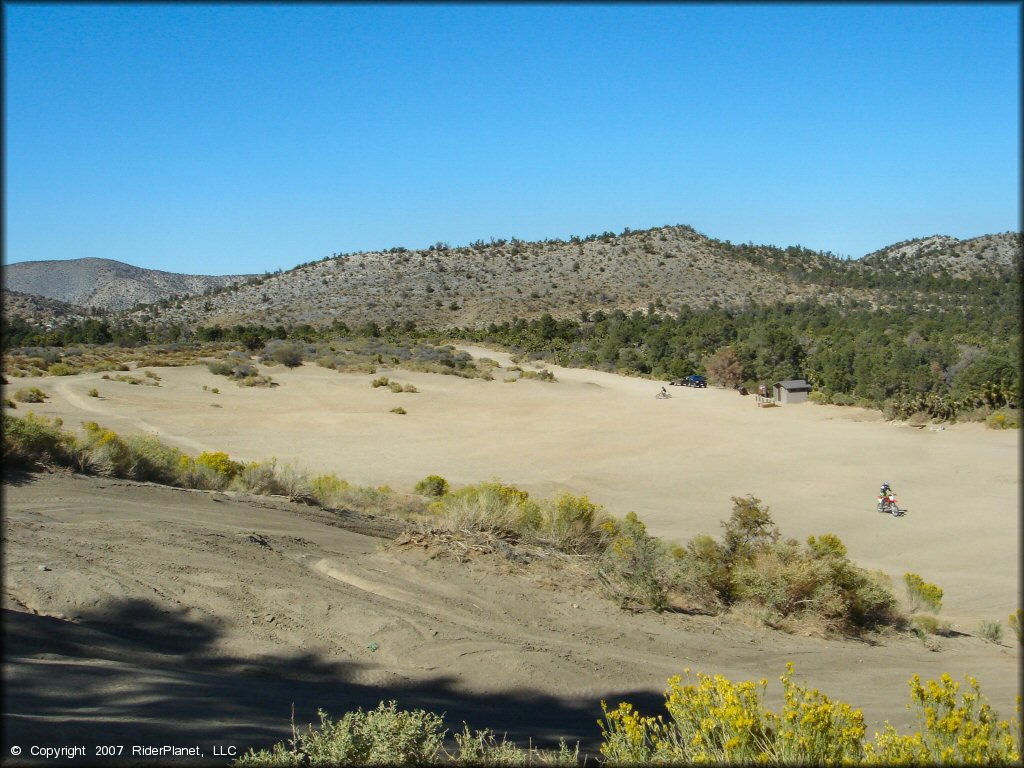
column 465, row 544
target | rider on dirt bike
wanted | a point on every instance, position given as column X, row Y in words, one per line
column 887, row 499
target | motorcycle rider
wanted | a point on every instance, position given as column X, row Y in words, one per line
column 886, row 497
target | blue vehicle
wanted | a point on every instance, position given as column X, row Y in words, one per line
column 693, row 380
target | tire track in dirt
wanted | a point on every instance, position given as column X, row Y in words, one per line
column 73, row 398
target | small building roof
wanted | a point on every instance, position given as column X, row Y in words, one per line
column 793, row 385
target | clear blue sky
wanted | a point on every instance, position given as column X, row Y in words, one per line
column 225, row 139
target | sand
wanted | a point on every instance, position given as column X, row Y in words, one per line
column 172, row 589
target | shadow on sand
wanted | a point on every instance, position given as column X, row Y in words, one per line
column 131, row 673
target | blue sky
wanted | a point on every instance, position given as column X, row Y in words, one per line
column 219, row 139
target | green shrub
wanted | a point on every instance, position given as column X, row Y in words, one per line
column 779, row 582
column 749, row 528
column 1016, row 622
column 289, row 355
column 574, row 524
column 328, row 490
column 701, row 574
column 380, row 381
column 410, row 388
column 432, row 485
column 260, row 478
column 483, row 748
column 256, row 381
column 153, row 461
column 220, row 367
column 8, row 403
column 991, row 631
column 30, row 395
column 382, row 736
column 62, row 369
column 267, row 478
column 32, row 440
column 925, row 624
column 489, row 506
column 103, row 452
column 394, row 386
column 399, row 410
column 632, row 568
column 542, row 375
column 94, row 392
column 921, row 593
column 1007, row 418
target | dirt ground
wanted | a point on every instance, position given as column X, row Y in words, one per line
column 136, row 614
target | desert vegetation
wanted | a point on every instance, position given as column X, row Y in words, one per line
column 710, row 719
column 955, row 357
column 388, row 735
column 943, row 363
column 72, row 359
column 751, row 572
column 237, row 366
column 30, row 395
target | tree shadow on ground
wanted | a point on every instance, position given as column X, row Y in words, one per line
column 16, row 476
column 130, row 672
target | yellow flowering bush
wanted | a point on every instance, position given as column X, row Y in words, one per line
column 713, row 720
column 813, row 729
column 921, row 593
column 716, row 720
column 1016, row 622
column 103, row 451
column 951, row 731
column 220, row 463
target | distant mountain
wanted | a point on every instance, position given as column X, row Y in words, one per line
column 104, row 283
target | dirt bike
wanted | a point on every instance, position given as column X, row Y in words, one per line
column 663, row 396
column 887, row 504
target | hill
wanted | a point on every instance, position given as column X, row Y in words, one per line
column 989, row 254
column 668, row 267
column 39, row 311
column 492, row 282
column 104, row 283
